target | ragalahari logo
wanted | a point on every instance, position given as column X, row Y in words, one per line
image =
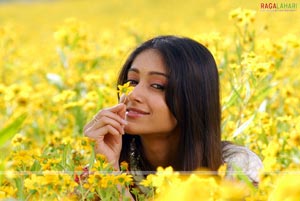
column 275, row 7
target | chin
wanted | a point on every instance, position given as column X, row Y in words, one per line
column 133, row 129
column 134, row 132
column 130, row 131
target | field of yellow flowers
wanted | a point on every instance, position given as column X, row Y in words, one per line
column 58, row 64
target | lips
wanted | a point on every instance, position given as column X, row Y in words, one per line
column 134, row 112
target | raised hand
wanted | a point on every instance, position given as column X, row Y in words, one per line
column 106, row 128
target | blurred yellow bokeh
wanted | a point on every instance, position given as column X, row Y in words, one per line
column 58, row 66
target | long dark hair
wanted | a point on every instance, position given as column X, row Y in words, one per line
column 192, row 95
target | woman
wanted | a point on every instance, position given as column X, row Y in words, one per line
column 172, row 117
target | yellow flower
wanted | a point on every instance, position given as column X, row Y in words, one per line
column 273, row 149
column 194, row 187
column 50, row 178
column 233, row 190
column 67, row 182
column 124, row 89
column 294, row 138
column 286, row 188
column 270, row 164
column 148, row 181
column 86, row 186
column 101, row 157
column 94, row 178
column 124, row 166
column 108, row 180
column 222, row 170
column 7, row 191
column 124, row 179
column 33, row 182
column 18, row 139
column 2, row 194
column 49, row 163
column 23, row 157
column 163, row 179
column 242, row 16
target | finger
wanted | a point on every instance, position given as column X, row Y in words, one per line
column 101, row 132
column 109, row 129
column 108, row 114
column 116, row 108
column 89, row 124
column 114, row 116
column 111, row 113
column 105, row 120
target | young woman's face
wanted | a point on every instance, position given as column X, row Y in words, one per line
column 147, row 111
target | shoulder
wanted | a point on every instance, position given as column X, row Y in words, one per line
column 239, row 157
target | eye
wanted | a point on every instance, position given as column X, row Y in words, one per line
column 158, row 86
column 132, row 82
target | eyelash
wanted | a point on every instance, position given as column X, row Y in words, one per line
column 132, row 82
column 155, row 86
column 158, row 86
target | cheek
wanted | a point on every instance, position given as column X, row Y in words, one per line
column 164, row 114
column 172, row 121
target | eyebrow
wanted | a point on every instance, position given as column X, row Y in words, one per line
column 150, row 73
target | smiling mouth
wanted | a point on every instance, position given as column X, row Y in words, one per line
column 134, row 113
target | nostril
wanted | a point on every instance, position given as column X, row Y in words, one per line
column 134, row 97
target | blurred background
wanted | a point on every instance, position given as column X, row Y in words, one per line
column 58, row 66
column 146, row 17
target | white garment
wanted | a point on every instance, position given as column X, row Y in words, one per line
column 239, row 157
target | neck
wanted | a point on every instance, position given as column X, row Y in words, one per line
column 161, row 150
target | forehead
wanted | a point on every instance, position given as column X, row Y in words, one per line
column 149, row 60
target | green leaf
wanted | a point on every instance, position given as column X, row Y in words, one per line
column 20, row 187
column 93, row 155
column 10, row 130
column 2, row 169
column 234, row 97
column 240, row 129
column 64, row 155
column 241, row 176
column 79, row 118
column 35, row 166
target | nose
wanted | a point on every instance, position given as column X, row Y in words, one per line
column 137, row 94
